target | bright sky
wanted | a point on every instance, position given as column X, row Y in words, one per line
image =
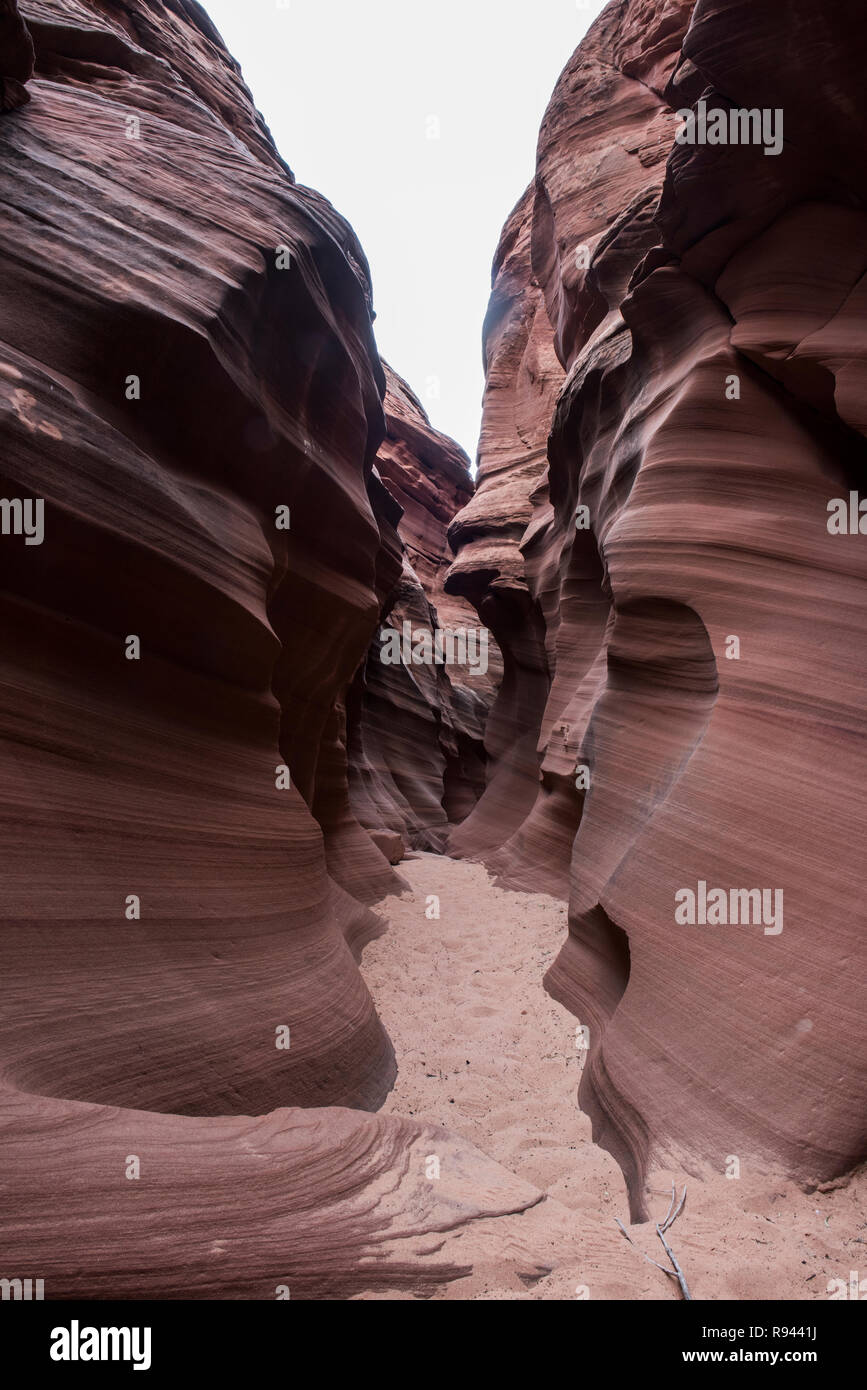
column 419, row 122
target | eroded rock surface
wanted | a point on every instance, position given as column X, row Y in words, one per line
column 190, row 386
column 667, row 271
column 417, row 757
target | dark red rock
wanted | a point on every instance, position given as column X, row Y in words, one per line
column 16, row 57
column 177, row 934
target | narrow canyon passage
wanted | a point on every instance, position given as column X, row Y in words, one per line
column 486, row 1053
column 481, row 1047
column 275, row 647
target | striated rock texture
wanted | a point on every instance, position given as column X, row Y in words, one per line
column 405, row 754
column 190, row 387
column 416, row 753
column 523, row 377
column 705, row 305
column 322, row 1204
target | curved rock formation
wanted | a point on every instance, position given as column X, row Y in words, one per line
column 522, row 380
column 696, row 626
column 214, row 496
column 155, row 397
column 196, row 551
column 417, row 760
column 320, row 1204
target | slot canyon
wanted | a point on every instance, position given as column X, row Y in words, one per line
column 364, row 979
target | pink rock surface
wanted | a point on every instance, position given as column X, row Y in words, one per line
column 177, row 935
column 322, row 1204
column 158, row 777
column 389, row 844
column 707, row 521
column 186, row 350
column 416, row 751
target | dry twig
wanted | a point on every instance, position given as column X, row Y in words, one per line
column 675, row 1272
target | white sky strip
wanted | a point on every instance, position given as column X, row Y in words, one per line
column 353, row 91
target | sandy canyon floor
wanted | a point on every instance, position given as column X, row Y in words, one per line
column 483, row 1050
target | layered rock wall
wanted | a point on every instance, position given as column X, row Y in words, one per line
column 190, row 391
column 691, row 710
column 417, row 757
